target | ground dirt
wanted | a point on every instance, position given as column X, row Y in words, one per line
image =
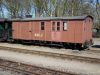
column 53, row 63
column 2, row 72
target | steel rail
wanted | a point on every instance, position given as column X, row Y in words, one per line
column 53, row 54
column 29, row 69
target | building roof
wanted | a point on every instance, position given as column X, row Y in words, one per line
column 53, row 18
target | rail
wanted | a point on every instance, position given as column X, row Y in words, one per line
column 28, row 69
column 53, row 54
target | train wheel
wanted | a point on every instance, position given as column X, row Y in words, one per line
column 79, row 47
column 65, row 45
column 86, row 45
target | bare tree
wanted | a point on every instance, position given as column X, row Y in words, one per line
column 25, row 6
column 98, row 9
column 38, row 6
column 98, row 15
column 1, row 9
column 13, row 7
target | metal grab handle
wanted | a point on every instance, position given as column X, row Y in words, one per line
column 30, row 31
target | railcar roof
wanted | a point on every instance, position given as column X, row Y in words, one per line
column 53, row 18
column 2, row 19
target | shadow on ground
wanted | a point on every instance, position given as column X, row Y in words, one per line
column 96, row 46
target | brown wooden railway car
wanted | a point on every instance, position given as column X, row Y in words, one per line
column 71, row 31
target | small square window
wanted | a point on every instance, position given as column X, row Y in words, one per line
column 65, row 26
column 42, row 25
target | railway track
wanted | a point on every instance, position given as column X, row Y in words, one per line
column 28, row 69
column 52, row 54
column 94, row 50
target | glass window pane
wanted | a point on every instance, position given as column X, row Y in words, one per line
column 64, row 25
column 58, row 26
column 42, row 25
column 53, row 26
column 58, row 23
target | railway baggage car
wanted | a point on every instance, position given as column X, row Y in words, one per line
column 67, row 31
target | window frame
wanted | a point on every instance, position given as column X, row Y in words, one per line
column 58, row 27
column 65, row 28
column 53, row 26
column 42, row 26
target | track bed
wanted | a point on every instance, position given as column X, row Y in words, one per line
column 62, row 60
column 24, row 69
column 89, row 55
column 53, row 63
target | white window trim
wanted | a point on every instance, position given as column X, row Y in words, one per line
column 65, row 26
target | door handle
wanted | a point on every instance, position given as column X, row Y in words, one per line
column 30, row 31
column 13, row 30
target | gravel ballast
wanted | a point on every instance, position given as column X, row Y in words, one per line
column 53, row 63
